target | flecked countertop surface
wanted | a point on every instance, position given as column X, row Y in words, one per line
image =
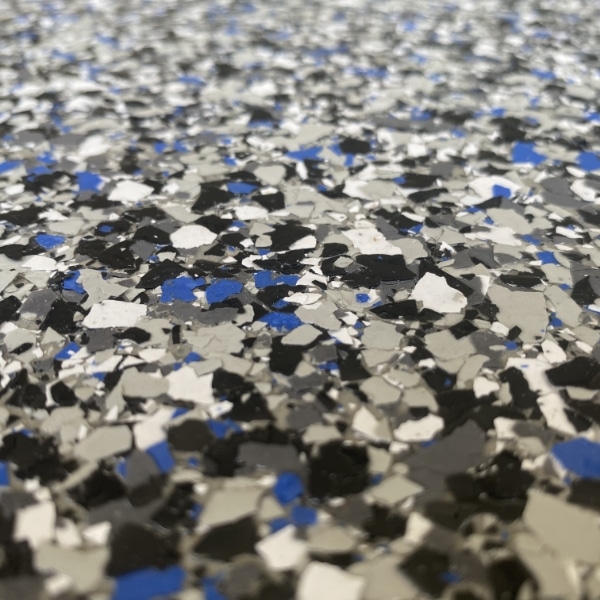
column 299, row 300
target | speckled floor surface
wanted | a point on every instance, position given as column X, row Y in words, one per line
column 299, row 300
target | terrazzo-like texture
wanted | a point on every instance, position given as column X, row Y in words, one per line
column 300, row 300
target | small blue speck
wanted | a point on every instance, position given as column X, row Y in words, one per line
column 555, row 321
column 263, row 279
column 149, row 584
column 531, row 240
column 9, row 165
column 281, row 321
column 70, row 283
column 579, row 456
column 501, row 191
column 362, row 298
column 547, row 258
column 288, row 487
column 307, row 153
column 221, row 428
column 303, row 516
column 222, row 289
column 278, row 523
column 68, row 351
column 4, row 474
column 211, row 592
column 162, row 456
column 192, row 357
column 45, row 240
column 588, row 161
column 524, row 152
column 511, row 345
column 180, row 289
column 88, row 181
column 160, row 147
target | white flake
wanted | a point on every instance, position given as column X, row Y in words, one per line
column 484, row 186
column 130, row 191
column 113, row 313
column 434, row 293
column 368, row 240
column 40, row 263
column 184, row 384
column 35, row 523
column 247, row 212
column 421, row 430
column 328, row 582
column 192, row 236
column 282, row 551
column 365, row 423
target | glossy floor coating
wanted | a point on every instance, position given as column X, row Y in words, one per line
column 299, row 300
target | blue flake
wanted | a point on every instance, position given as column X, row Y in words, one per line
column 542, row 74
column 511, row 345
column 376, row 479
column 588, row 161
column 149, row 584
column 48, row 241
column 335, row 148
column 88, row 181
column 179, row 411
column 46, row 158
column 191, row 80
column 162, row 456
column 449, row 577
column 329, row 366
column 68, row 351
column 121, row 468
column 288, row 487
column 9, row 165
column 105, row 229
column 594, row 117
column 303, row 516
column 263, row 279
column 39, row 170
column 399, row 180
column 524, row 152
column 180, row 289
column 555, row 321
column 70, row 283
column 579, row 456
column 362, row 298
column 192, row 357
column 211, row 592
column 564, row 286
column 4, row 474
column 281, row 321
column 278, row 523
column 195, row 511
column 547, row 258
column 307, row 153
column 221, row 428
column 160, row 147
column 418, row 114
column 230, row 161
column 531, row 240
column 488, row 221
column 222, row 289
column 498, row 112
column 179, row 146
column 501, row 191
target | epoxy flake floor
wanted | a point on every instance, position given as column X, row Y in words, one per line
column 299, row 300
